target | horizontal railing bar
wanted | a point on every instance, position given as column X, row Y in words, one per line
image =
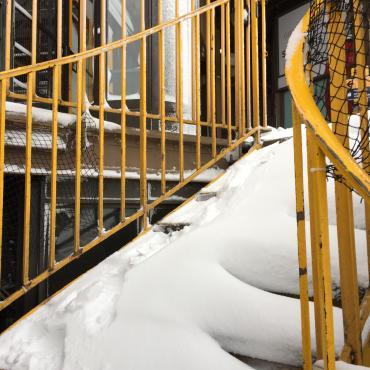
column 59, row 265
column 40, row 99
column 116, row 111
column 108, row 47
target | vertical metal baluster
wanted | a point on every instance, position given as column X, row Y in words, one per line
column 143, row 117
column 80, row 67
column 179, row 88
column 302, row 247
column 123, row 114
column 208, row 63
column 54, row 151
column 255, row 66
column 248, row 69
column 213, row 84
column 28, row 155
column 238, row 119
column 70, row 45
column 263, row 63
column 194, row 75
column 102, row 81
column 162, row 96
column 198, row 154
column 223, row 65
column 319, row 211
column 80, row 104
column 228, row 75
column 27, row 179
column 242, row 68
column 4, row 85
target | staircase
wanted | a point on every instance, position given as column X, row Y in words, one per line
column 75, row 146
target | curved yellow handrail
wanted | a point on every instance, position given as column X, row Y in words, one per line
column 354, row 175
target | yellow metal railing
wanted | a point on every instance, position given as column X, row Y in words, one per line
column 323, row 146
column 231, row 120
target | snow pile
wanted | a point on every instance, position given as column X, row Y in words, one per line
column 17, row 112
column 204, row 293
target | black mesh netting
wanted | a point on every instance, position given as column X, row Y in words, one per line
column 40, row 195
column 338, row 63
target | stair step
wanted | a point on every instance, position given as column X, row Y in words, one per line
column 203, row 196
column 264, row 365
column 168, row 228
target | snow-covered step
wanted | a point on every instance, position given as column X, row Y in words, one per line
column 168, row 228
column 188, row 299
column 203, row 196
column 258, row 364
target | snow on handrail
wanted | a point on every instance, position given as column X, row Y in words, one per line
column 354, row 175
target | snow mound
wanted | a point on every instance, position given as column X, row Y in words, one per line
column 186, row 300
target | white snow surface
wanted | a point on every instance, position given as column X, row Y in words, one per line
column 294, row 40
column 18, row 112
column 186, row 300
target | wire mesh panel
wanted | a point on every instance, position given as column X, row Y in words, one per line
column 338, row 64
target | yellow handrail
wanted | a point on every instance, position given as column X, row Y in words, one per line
column 354, row 175
column 323, row 143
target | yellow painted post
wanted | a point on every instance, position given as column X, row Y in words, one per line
column 82, row 46
column 162, row 96
column 198, row 84
column 208, row 62
column 143, row 117
column 28, row 155
column 54, row 151
column 179, row 95
column 316, row 271
column 237, row 11
column 34, row 32
column 301, row 233
column 80, row 93
column 242, row 68
column 213, row 84
column 8, row 36
column 320, row 249
column 264, row 63
column 27, row 180
column 123, row 113
column 70, row 45
column 343, row 196
column 102, row 82
column 54, row 166
column 223, row 65
column 228, row 75
column 248, row 76
column 255, row 65
column 76, row 248
column 4, row 85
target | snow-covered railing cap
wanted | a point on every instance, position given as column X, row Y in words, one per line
column 353, row 174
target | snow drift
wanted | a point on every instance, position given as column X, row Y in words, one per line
column 207, row 291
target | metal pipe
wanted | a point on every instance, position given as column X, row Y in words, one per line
column 102, row 82
column 123, row 114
